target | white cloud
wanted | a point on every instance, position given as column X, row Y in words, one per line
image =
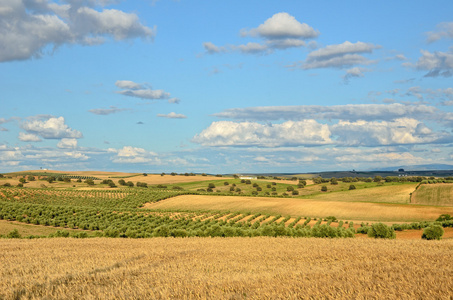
column 27, row 28
column 444, row 30
column 127, row 84
column 227, row 133
column 252, row 48
column 402, row 131
column 67, row 144
column 174, row 100
column 142, row 91
column 355, row 72
column 339, row 56
column 28, row 137
column 107, row 111
column 212, row 49
column 76, row 155
column 172, row 115
column 378, row 133
column 52, row 128
column 281, row 31
column 382, row 159
column 351, row 112
column 437, row 63
column 282, row 25
column 129, row 154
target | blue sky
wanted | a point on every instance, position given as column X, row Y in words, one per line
column 225, row 86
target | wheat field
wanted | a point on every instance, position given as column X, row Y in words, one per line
column 225, row 268
column 356, row 211
column 434, row 194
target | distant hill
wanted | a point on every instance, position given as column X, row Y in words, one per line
column 436, row 170
column 431, row 167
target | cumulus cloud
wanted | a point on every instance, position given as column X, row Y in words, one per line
column 107, row 111
column 281, row 31
column 444, row 30
column 67, row 144
column 29, row 137
column 51, row 128
column 355, row 72
column 383, row 133
column 280, row 26
column 342, row 55
column 142, row 91
column 227, row 133
column 172, row 115
column 351, row 112
column 29, row 28
column 210, row 48
column 133, row 155
column 437, row 63
column 401, row 131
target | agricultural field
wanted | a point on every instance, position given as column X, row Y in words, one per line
column 355, row 211
column 439, row 194
column 211, row 237
column 214, row 206
column 41, row 176
column 225, row 268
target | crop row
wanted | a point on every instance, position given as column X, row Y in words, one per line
column 111, row 224
column 115, row 200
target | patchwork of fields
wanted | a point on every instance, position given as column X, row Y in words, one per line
column 221, row 238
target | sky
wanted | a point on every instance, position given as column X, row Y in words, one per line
column 232, row 86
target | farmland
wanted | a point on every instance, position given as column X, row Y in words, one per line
column 376, row 212
column 219, row 268
column 195, row 205
column 185, row 236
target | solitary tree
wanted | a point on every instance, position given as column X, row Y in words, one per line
column 89, row 181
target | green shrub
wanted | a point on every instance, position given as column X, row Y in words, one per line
column 14, row 234
column 444, row 217
column 382, row 231
column 324, row 188
column 363, row 229
column 433, row 232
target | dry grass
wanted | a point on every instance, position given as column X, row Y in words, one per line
column 440, row 194
column 306, row 207
column 389, row 194
column 233, row 268
column 28, row 229
column 115, row 176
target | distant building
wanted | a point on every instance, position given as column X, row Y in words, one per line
column 247, row 177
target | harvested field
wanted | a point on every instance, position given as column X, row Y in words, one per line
column 151, row 179
column 385, row 194
column 305, row 207
column 225, row 268
column 440, row 194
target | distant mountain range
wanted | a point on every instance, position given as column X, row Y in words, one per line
column 431, row 167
